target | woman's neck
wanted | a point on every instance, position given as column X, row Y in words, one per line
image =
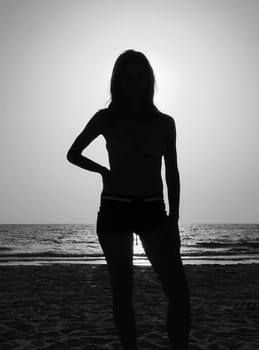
column 134, row 109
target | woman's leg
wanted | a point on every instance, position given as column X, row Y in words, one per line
column 118, row 251
column 162, row 247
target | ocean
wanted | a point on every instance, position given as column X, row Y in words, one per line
column 38, row 244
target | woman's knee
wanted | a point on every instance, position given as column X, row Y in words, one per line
column 163, row 253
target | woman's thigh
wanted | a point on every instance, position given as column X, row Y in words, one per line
column 118, row 252
column 162, row 247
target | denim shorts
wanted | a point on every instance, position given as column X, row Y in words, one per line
column 127, row 214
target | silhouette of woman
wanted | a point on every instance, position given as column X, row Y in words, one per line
column 137, row 135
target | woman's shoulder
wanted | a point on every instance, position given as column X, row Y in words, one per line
column 105, row 119
column 100, row 116
column 104, row 113
column 100, row 113
column 165, row 120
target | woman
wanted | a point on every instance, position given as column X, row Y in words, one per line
column 137, row 135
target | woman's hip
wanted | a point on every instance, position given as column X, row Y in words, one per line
column 127, row 214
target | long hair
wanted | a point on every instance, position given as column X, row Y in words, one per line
column 117, row 104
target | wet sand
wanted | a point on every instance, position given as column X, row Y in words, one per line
column 63, row 306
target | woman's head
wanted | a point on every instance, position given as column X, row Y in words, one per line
column 132, row 80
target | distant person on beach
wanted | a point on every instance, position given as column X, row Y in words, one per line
column 137, row 135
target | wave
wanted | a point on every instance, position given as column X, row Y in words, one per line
column 225, row 245
column 100, row 255
column 50, row 254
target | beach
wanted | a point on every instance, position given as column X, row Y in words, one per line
column 68, row 306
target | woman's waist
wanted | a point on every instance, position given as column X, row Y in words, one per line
column 135, row 165
column 138, row 175
column 132, row 198
column 133, row 183
column 134, row 188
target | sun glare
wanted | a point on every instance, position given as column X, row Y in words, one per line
column 167, row 76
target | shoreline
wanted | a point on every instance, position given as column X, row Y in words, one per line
column 137, row 261
column 68, row 306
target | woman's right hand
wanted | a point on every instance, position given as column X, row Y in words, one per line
column 172, row 227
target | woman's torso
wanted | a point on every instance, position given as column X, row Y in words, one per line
column 135, row 147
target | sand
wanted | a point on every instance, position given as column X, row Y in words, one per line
column 64, row 306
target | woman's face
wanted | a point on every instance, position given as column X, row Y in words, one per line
column 134, row 81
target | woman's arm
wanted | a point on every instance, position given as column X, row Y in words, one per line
column 74, row 155
column 171, row 170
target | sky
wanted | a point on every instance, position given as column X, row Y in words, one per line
column 56, row 63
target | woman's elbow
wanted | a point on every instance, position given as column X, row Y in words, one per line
column 71, row 157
